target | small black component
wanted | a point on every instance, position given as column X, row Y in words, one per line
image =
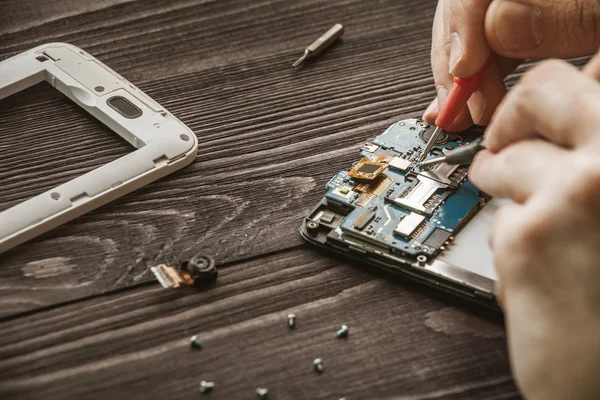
column 437, row 152
column 427, row 133
column 438, row 238
column 369, row 169
column 202, row 270
column 364, row 220
column 327, row 217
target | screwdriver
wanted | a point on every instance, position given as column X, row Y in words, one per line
column 459, row 156
column 321, row 43
column 461, row 91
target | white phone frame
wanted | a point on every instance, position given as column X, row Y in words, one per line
column 164, row 144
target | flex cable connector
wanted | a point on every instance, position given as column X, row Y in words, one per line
column 199, row 271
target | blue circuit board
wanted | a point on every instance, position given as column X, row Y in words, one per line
column 433, row 203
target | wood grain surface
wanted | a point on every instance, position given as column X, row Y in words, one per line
column 81, row 315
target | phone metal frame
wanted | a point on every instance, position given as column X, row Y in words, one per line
column 435, row 273
column 164, row 144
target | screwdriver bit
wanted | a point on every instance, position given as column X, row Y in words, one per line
column 321, row 43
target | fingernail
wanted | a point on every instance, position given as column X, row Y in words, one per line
column 477, row 107
column 518, row 26
column 432, row 109
column 455, row 51
column 442, row 93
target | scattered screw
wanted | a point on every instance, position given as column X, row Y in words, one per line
column 262, row 393
column 291, row 321
column 206, row 387
column 196, row 343
column 318, row 363
column 343, row 332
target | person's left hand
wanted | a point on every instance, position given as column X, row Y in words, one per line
column 544, row 153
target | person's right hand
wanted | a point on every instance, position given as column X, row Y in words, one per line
column 543, row 153
column 466, row 31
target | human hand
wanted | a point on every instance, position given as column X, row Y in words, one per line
column 466, row 31
column 544, row 153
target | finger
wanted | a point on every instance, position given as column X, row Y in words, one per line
column 442, row 78
column 483, row 102
column 439, row 62
column 465, row 43
column 499, row 293
column 592, row 68
column 506, row 221
column 542, row 29
column 553, row 100
column 458, row 33
column 520, row 170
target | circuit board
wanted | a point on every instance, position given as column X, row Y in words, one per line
column 387, row 204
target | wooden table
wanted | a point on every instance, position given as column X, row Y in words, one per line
column 83, row 317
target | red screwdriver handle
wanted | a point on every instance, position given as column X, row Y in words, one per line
column 461, row 91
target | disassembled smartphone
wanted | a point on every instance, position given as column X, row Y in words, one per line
column 164, row 144
column 429, row 224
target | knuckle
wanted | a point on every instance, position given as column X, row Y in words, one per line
column 524, row 243
column 584, row 185
column 510, row 156
column 522, row 95
column 544, row 69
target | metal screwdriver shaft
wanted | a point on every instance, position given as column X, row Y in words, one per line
column 461, row 91
column 459, row 156
column 321, row 43
column 430, row 143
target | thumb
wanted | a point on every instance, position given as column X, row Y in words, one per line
column 542, row 28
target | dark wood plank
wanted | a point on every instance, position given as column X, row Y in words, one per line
column 270, row 136
column 80, row 315
column 135, row 344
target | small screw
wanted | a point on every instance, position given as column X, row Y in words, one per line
column 312, row 225
column 263, row 393
column 318, row 363
column 206, row 387
column 343, row 332
column 291, row 321
column 195, row 342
